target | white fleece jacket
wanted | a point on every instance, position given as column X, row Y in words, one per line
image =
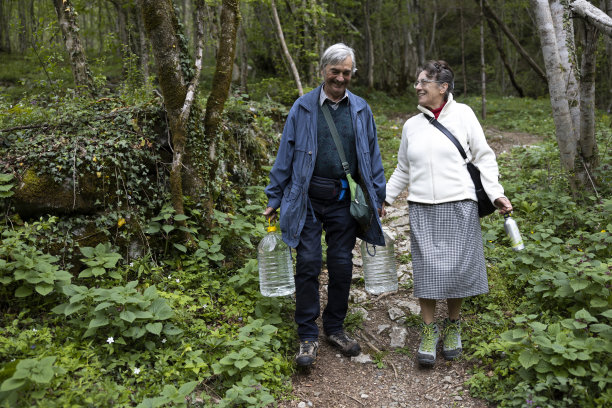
column 430, row 165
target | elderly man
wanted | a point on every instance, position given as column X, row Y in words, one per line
column 308, row 184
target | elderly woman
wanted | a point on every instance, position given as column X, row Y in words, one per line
column 446, row 241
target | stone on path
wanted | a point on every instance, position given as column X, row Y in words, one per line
column 398, row 337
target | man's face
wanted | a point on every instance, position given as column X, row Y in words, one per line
column 337, row 78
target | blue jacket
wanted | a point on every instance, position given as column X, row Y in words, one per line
column 296, row 157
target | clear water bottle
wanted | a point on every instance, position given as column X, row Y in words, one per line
column 275, row 265
column 513, row 233
column 379, row 270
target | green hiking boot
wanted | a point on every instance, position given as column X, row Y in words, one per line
column 430, row 334
column 451, row 334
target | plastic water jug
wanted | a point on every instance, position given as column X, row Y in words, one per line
column 275, row 265
column 379, row 270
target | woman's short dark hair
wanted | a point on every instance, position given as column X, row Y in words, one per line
column 440, row 71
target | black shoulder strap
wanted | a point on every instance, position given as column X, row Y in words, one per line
column 448, row 134
column 336, row 137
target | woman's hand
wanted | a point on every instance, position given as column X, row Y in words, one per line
column 503, row 204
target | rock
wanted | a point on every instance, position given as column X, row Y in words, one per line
column 411, row 305
column 364, row 396
column 399, row 222
column 302, row 404
column 398, row 337
column 358, row 296
column 448, row 379
column 362, row 358
column 458, row 398
column 382, row 328
column 395, row 313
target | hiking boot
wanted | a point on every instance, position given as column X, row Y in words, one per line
column 343, row 342
column 307, row 354
column 430, row 334
column 451, row 334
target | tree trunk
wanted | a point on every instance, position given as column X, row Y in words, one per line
column 420, row 34
column 143, row 48
column 281, row 38
column 5, row 42
column 244, row 59
column 564, row 128
column 66, row 17
column 161, row 25
column 502, row 54
column 463, row 66
column 564, row 32
column 587, row 142
column 489, row 12
column 593, row 15
column 230, row 19
column 369, row 43
column 483, row 74
column 23, row 27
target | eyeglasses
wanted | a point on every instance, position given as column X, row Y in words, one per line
column 424, row 82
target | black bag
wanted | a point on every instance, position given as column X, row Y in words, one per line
column 485, row 206
column 361, row 210
column 323, row 188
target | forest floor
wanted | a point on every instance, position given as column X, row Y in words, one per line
column 386, row 374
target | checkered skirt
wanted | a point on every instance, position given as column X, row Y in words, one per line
column 447, row 252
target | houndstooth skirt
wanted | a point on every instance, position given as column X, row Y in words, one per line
column 447, row 252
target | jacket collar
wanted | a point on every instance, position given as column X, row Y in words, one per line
column 310, row 101
column 449, row 102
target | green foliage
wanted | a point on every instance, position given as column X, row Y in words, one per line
column 6, row 186
column 544, row 332
column 29, row 373
column 100, row 260
column 24, row 269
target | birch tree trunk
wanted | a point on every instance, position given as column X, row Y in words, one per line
column 587, row 142
column 281, row 38
column 566, row 139
column 593, row 15
column 66, row 17
column 564, row 33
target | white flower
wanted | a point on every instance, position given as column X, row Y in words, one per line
column 169, row 276
column 136, row 370
column 34, row 330
column 177, row 280
column 164, row 340
column 131, row 263
column 110, row 340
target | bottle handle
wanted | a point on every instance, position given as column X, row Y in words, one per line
column 368, row 249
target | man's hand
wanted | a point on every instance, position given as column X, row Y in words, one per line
column 270, row 213
column 381, row 211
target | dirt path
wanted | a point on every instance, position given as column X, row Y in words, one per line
column 386, row 373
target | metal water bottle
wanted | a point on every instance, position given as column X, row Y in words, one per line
column 379, row 270
column 275, row 265
column 513, row 233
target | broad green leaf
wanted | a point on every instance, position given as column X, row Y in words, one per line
column 240, row 364
column 584, row 315
column 12, row 384
column 577, row 370
column 579, row 284
column 180, row 217
column 528, row 358
column 180, row 247
column 127, row 315
column 23, row 291
column 256, row 362
column 154, row 328
column 187, row 388
column 98, row 322
column 44, row 289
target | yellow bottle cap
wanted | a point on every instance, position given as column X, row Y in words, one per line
column 271, row 228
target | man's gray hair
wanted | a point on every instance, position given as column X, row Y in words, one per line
column 336, row 54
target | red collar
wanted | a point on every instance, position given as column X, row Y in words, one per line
column 436, row 112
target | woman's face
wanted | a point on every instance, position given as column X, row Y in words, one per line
column 429, row 92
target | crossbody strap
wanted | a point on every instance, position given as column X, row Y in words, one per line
column 448, row 134
column 336, row 137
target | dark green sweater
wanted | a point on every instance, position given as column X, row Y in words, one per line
column 328, row 162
